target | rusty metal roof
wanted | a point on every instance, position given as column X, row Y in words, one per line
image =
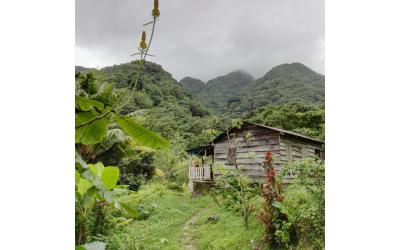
column 278, row 130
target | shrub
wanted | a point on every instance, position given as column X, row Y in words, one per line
column 174, row 162
column 305, row 202
column 236, row 191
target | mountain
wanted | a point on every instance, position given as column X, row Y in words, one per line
column 163, row 101
column 154, row 87
column 233, row 94
column 285, row 83
column 192, row 85
column 80, row 69
column 159, row 102
column 237, row 93
column 216, row 92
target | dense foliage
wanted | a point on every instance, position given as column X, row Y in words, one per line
column 162, row 105
column 304, row 205
column 131, row 182
column 168, row 109
column 236, row 191
column 218, row 91
column 100, row 128
column 192, row 85
column 113, row 146
column 160, row 101
column 282, row 84
column 237, row 92
column 298, row 117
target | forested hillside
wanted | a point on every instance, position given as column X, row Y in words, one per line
column 218, row 91
column 192, row 85
column 205, row 109
column 237, row 92
column 154, row 86
column 282, row 84
column 159, row 102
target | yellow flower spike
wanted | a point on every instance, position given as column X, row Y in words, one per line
column 143, row 44
column 156, row 11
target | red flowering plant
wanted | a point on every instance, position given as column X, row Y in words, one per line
column 271, row 197
column 270, row 189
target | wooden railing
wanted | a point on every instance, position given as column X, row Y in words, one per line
column 199, row 173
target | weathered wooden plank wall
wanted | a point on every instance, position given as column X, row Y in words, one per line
column 294, row 149
column 252, row 142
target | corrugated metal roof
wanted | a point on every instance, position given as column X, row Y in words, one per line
column 285, row 132
column 278, row 130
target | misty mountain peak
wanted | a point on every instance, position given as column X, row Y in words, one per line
column 295, row 70
column 192, row 85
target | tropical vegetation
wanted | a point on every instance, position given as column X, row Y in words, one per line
column 134, row 127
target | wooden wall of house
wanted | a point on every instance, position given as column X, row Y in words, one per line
column 292, row 148
column 251, row 142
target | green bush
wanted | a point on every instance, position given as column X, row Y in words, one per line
column 236, row 191
column 299, row 117
column 304, row 203
column 97, row 222
column 173, row 163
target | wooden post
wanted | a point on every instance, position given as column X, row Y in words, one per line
column 190, row 184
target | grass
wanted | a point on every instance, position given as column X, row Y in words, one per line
column 171, row 210
column 228, row 232
column 163, row 228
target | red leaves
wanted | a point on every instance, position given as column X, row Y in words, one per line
column 268, row 155
column 271, row 173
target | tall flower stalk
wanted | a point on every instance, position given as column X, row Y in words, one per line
column 143, row 52
column 270, row 193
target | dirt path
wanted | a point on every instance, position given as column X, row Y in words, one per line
column 187, row 240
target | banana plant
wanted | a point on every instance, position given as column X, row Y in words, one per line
column 93, row 118
column 95, row 183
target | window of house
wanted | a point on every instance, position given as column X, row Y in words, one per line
column 231, row 157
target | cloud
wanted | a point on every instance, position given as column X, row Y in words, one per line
column 205, row 38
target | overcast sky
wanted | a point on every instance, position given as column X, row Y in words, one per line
column 203, row 38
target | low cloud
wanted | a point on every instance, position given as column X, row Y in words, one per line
column 204, row 39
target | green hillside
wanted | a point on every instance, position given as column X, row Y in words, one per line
column 237, row 93
column 218, row 91
column 159, row 101
column 199, row 106
column 154, row 87
column 285, row 83
column 192, row 85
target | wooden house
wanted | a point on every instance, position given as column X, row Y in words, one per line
column 247, row 145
